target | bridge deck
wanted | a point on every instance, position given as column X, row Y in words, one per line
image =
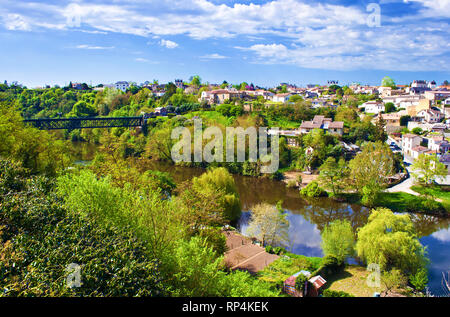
column 86, row 123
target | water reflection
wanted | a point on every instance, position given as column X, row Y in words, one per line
column 308, row 218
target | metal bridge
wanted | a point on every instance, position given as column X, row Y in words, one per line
column 86, row 123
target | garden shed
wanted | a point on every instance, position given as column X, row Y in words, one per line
column 289, row 284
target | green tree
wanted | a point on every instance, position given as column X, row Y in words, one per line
column 196, row 81
column 333, row 174
column 370, row 170
column 391, row 241
column 388, row 82
column 389, row 107
column 427, row 168
column 269, row 225
column 198, row 268
column 220, row 180
column 338, row 240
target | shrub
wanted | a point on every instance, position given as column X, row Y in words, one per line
column 291, row 184
column 330, row 266
column 269, row 249
column 300, row 282
column 331, row 293
column 42, row 238
column 313, row 190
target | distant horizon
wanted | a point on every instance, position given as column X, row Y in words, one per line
column 322, row 83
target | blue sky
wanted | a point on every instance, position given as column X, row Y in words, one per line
column 263, row 42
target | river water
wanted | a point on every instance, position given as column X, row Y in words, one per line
column 307, row 219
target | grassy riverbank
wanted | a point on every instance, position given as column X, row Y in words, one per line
column 404, row 202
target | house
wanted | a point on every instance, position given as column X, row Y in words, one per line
column 219, row 96
column 414, row 108
column 179, row 83
column 392, row 120
column 436, row 95
column 317, row 103
column 77, row 86
column 418, row 150
column 438, row 144
column 122, row 85
column 281, row 97
column 410, row 141
column 161, row 111
column 290, row 135
column 374, row 107
column 430, row 116
column 320, row 122
column 445, row 159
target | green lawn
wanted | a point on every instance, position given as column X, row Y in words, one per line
column 283, row 124
column 352, row 280
column 440, row 192
column 403, row 202
column 211, row 117
column 280, row 270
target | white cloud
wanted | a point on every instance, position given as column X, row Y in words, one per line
column 92, row 47
column 168, row 44
column 443, row 235
column 213, row 56
column 16, row 22
column 294, row 32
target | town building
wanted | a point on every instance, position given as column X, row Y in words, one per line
column 320, row 122
column 122, row 85
column 374, row 107
column 409, row 142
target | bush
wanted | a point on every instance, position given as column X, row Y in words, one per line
column 291, row 184
column 330, row 266
column 331, row 293
column 269, row 249
column 313, row 190
column 39, row 239
column 300, row 282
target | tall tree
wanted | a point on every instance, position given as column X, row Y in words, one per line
column 269, row 224
column 427, row 168
column 391, row 241
column 338, row 240
column 370, row 170
column 332, row 175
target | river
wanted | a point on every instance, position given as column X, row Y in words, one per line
column 307, row 219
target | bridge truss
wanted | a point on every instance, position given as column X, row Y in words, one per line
column 86, row 123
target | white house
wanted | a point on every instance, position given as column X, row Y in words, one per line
column 430, row 116
column 122, row 85
column 281, row 97
column 374, row 107
column 409, row 142
column 438, row 144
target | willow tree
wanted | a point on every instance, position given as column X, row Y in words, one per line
column 220, row 181
column 391, row 241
